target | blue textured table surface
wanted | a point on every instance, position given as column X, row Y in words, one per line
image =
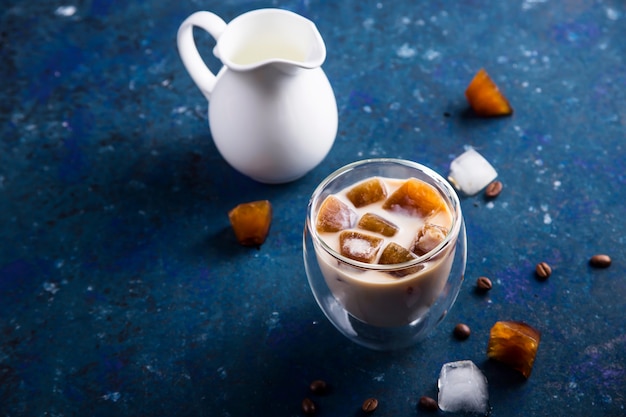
column 124, row 292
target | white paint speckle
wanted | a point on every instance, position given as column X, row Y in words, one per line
column 490, row 205
column 612, row 13
column 405, row 51
column 394, row 106
column 529, row 4
column 418, row 95
column 65, row 11
column 51, row 287
column 556, row 184
column 547, row 219
column 379, row 378
column 368, row 23
column 431, row 54
column 112, row 396
column 274, row 321
column 367, row 109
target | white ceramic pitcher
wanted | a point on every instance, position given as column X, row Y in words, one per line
column 272, row 111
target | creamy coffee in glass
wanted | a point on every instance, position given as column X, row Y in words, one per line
column 386, row 297
column 382, row 250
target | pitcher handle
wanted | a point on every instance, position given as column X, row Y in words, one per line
column 193, row 62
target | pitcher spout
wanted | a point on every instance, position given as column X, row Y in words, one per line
column 271, row 37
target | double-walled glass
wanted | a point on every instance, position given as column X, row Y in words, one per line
column 385, row 314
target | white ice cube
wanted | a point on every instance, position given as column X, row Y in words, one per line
column 462, row 387
column 470, row 172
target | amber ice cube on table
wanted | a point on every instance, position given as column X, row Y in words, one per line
column 334, row 215
column 367, row 192
column 251, row 222
column 359, row 246
column 415, row 198
column 515, row 344
column 427, row 238
column 377, row 224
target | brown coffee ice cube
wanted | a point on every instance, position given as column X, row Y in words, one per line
column 334, row 215
column 397, row 254
column 359, row 246
column 367, row 192
column 377, row 224
column 515, row 344
column 251, row 222
column 415, row 198
column 427, row 238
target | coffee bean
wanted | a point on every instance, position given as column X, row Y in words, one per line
column 600, row 261
column 319, row 387
column 369, row 405
column 461, row 331
column 308, row 407
column 543, row 270
column 493, row 189
column 483, row 284
column 428, row 403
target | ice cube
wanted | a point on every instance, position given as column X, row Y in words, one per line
column 334, row 215
column 377, row 224
column 427, row 238
column 251, row 222
column 470, row 172
column 515, row 344
column 463, row 388
column 396, row 254
column 359, row 246
column 367, row 192
column 415, row 198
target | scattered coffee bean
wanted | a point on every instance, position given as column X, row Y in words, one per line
column 308, row 406
column 483, row 284
column 543, row 270
column 428, row 403
column 600, row 261
column 493, row 189
column 461, row 331
column 319, row 387
column 369, row 405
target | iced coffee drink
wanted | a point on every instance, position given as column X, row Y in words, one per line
column 386, row 250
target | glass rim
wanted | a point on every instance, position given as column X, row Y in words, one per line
column 442, row 185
